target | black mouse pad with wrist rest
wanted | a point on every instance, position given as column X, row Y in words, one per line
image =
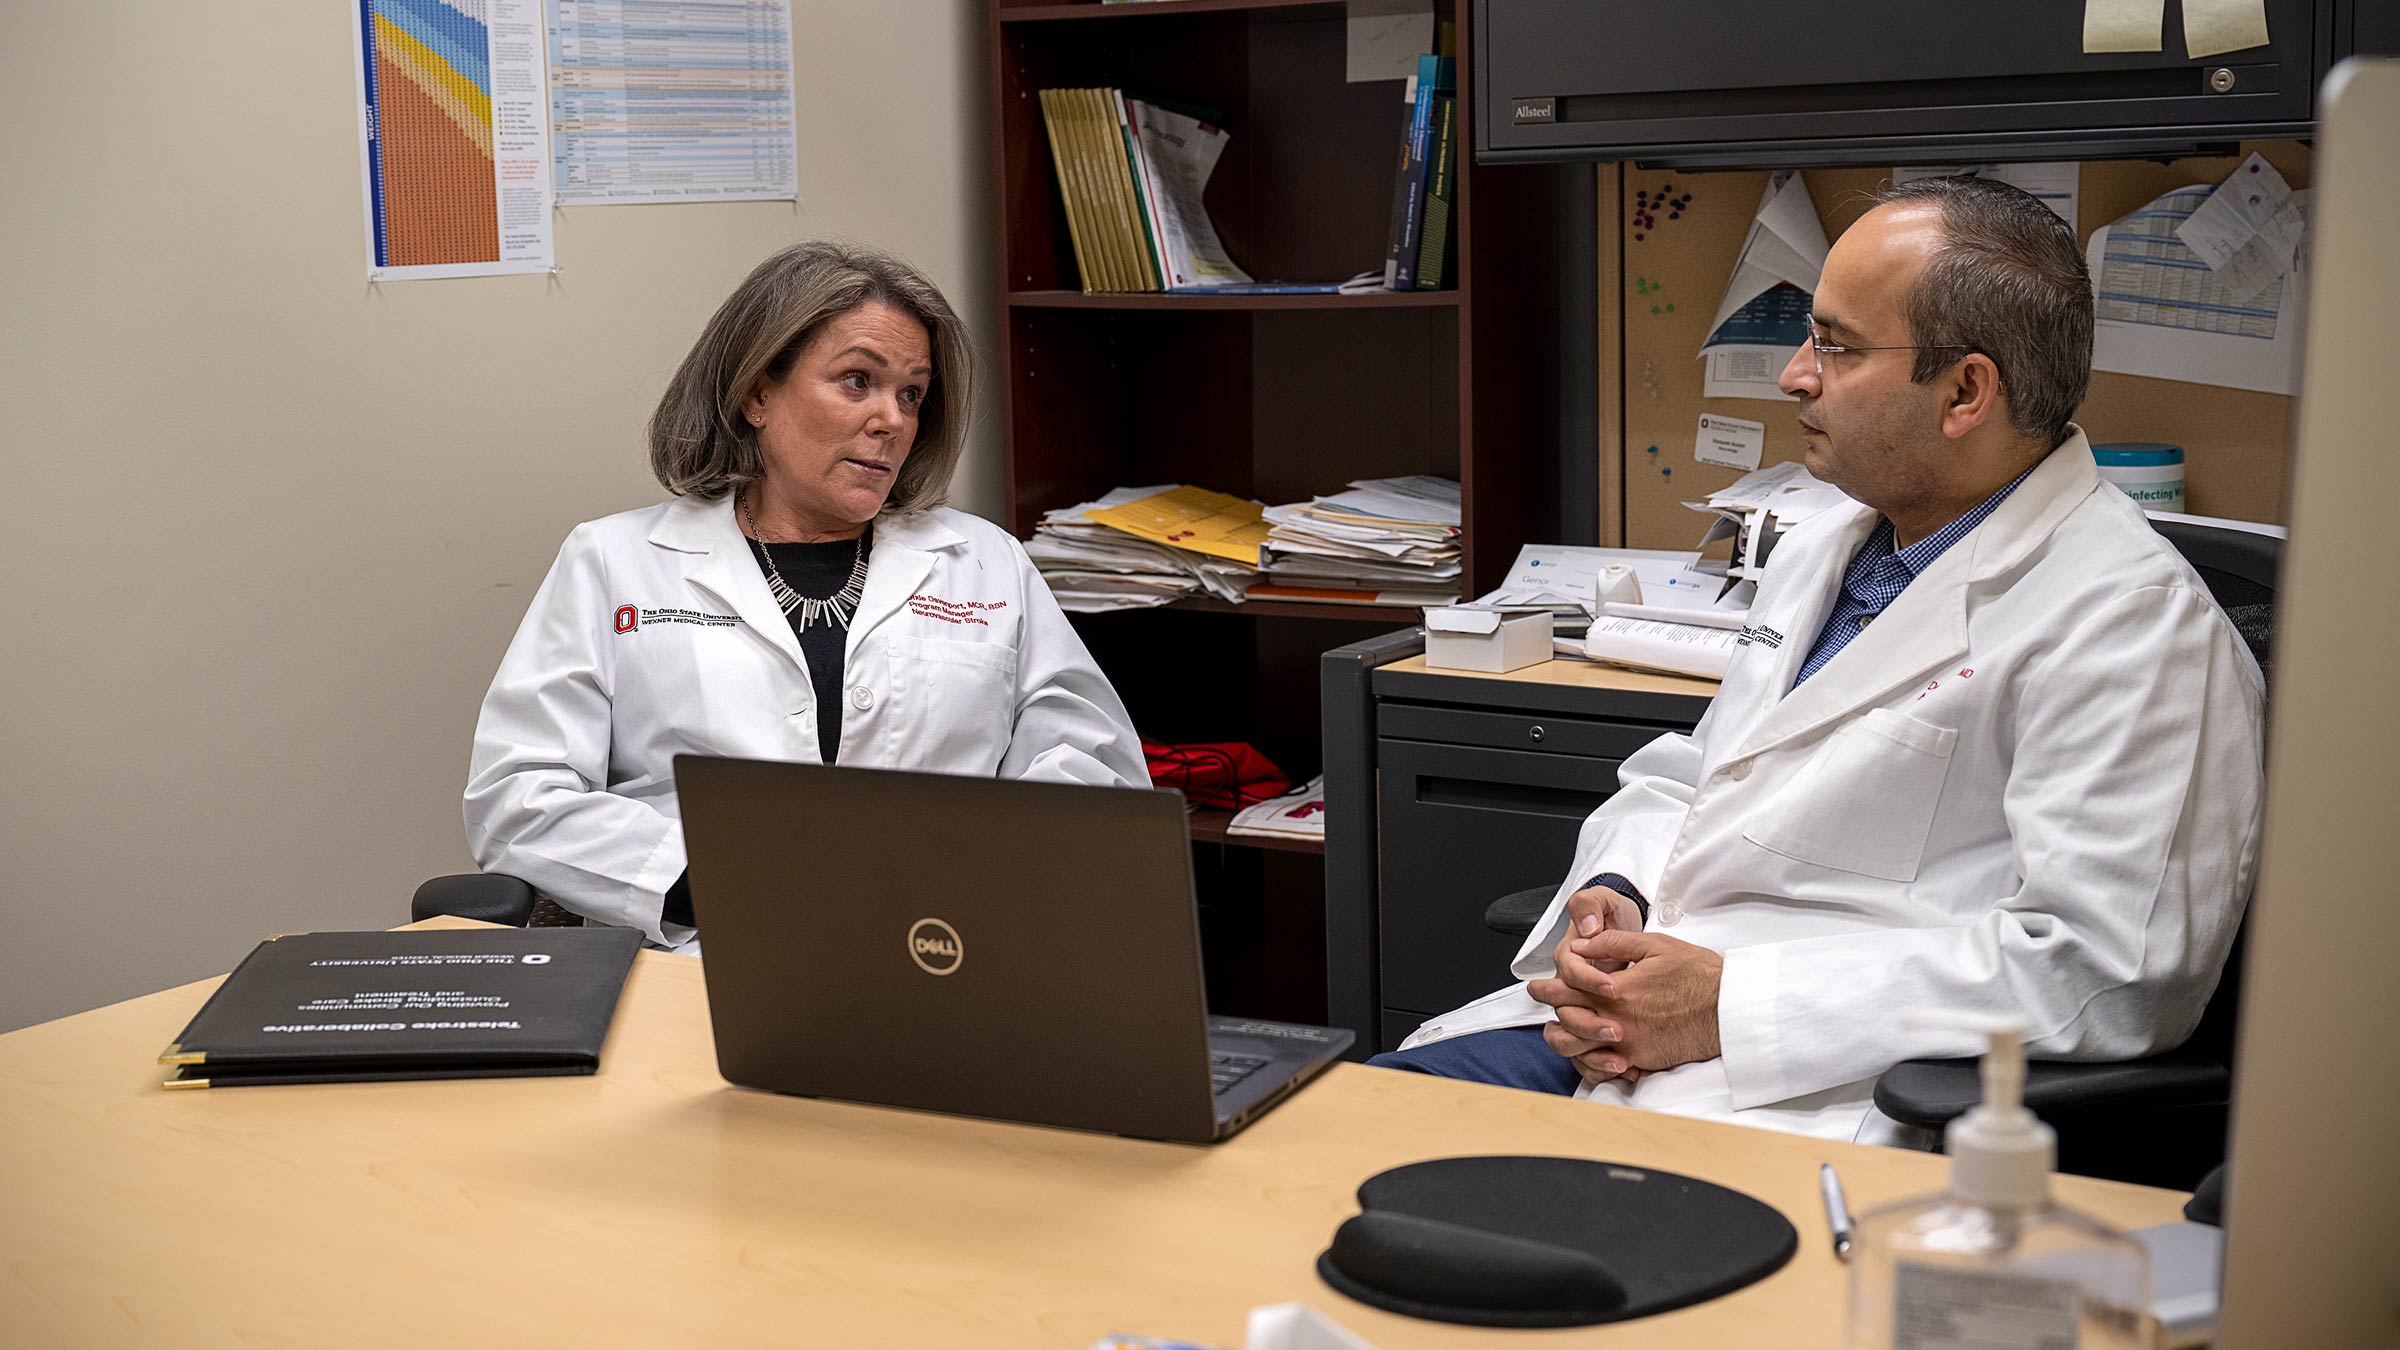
column 1548, row 1242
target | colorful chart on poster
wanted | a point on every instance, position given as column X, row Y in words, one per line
column 452, row 137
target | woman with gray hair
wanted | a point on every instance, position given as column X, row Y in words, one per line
column 803, row 596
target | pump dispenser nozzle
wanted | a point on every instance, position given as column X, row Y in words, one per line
column 2000, row 1153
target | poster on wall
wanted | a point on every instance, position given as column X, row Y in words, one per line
column 688, row 102
column 453, row 138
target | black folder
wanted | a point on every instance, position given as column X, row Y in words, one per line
column 377, row 1006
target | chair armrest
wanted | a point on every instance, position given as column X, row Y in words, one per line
column 1932, row 1092
column 2207, row 1204
column 1515, row 915
column 488, row 896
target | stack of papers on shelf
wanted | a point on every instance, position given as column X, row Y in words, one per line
column 1298, row 814
column 1193, row 520
column 1093, row 564
column 1383, row 541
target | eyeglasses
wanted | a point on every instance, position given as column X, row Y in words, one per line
column 1818, row 347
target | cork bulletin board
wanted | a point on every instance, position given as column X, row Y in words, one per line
column 1667, row 247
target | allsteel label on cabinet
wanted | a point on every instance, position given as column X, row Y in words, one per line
column 1525, row 110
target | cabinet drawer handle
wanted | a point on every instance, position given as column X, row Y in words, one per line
column 1517, row 798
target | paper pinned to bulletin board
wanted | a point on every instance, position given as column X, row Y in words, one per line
column 2205, row 284
column 2054, row 182
column 1675, row 238
column 1764, row 313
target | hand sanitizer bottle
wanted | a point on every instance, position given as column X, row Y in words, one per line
column 1990, row 1262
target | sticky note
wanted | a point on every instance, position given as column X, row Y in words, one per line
column 2125, row 25
column 2213, row 26
column 1385, row 37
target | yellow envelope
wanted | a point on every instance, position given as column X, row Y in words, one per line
column 1193, row 518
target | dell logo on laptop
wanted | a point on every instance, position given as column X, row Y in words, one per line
column 934, row 946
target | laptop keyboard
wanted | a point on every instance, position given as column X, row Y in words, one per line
column 1225, row 1070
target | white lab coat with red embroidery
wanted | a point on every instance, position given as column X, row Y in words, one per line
column 2032, row 785
column 654, row 636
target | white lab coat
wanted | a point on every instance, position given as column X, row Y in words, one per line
column 2032, row 785
column 654, row 635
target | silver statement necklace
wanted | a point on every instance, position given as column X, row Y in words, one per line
column 840, row 606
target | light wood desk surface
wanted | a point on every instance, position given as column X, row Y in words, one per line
column 652, row 1204
column 1581, row 674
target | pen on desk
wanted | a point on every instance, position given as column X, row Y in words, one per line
column 1837, row 1213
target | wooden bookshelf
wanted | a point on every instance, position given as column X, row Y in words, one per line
column 1277, row 397
column 1138, row 301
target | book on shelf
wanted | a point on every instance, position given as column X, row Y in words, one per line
column 1145, row 227
column 1131, row 176
column 1435, row 75
column 1441, row 176
column 1067, row 161
column 1297, row 814
column 379, row 1006
column 1177, row 151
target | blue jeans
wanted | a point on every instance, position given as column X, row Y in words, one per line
column 1513, row 1057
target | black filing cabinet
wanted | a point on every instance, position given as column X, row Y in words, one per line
column 1445, row 791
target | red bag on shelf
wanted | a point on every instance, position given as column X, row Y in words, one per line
column 1227, row 775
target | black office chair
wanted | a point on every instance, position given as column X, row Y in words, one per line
column 492, row 898
column 2159, row 1120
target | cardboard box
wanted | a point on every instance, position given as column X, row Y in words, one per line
column 1462, row 637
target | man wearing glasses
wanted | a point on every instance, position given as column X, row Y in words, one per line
column 1989, row 744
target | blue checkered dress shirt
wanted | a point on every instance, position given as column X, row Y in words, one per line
column 1878, row 574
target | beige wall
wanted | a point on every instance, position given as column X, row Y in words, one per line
column 268, row 529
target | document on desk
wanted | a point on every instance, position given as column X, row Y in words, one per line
column 1763, row 318
column 1562, row 578
column 2167, row 312
column 1676, row 648
column 381, row 1006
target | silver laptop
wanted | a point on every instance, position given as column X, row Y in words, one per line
column 1018, row 951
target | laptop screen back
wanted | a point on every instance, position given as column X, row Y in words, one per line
column 1025, row 951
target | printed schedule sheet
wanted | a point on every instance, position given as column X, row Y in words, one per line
column 671, row 101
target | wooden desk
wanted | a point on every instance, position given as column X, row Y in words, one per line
column 652, row 1204
column 1576, row 674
